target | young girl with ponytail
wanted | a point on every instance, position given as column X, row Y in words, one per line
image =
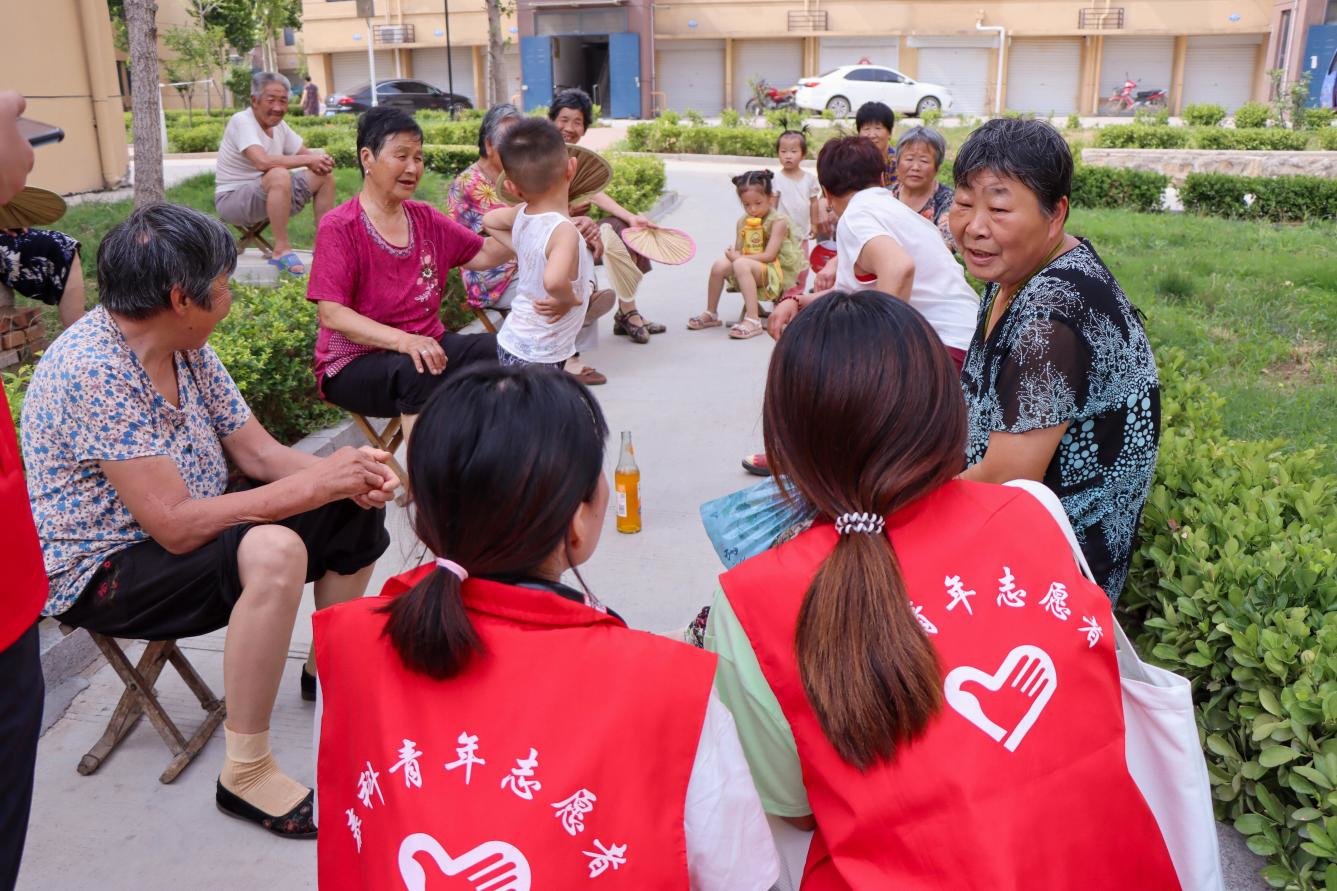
column 924, row 677
column 483, row 719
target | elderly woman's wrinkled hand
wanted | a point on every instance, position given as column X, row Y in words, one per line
column 390, row 482
column 588, row 229
column 426, row 353
column 359, row 474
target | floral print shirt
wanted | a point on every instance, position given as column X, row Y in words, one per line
column 91, row 401
column 1070, row 349
column 472, row 194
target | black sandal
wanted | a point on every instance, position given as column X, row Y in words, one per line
column 308, row 686
column 300, row 822
column 622, row 325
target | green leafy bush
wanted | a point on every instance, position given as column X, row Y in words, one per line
column 1280, row 198
column 785, row 119
column 266, row 342
column 730, row 118
column 931, row 117
column 1141, row 136
column 1074, row 122
column 1316, row 118
column 343, row 151
column 16, row 385
column 1118, row 187
column 1235, row 587
column 669, row 116
column 451, row 133
column 746, row 141
column 1159, row 117
column 449, row 160
column 1252, row 114
column 1255, row 139
column 319, row 137
column 637, row 182
column 662, row 136
column 1204, row 114
column 1327, row 139
column 695, row 117
column 200, row 138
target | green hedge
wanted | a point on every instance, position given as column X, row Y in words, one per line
column 1256, row 139
column 266, row 343
column 449, row 160
column 451, row 133
column 637, row 182
column 200, row 138
column 1118, row 187
column 1234, row 586
column 1327, row 139
column 1251, row 115
column 1280, row 198
column 664, row 135
column 1141, row 136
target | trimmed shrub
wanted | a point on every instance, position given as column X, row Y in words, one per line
column 343, row 151
column 1141, row 136
column 730, row 118
column 637, row 182
column 1327, row 139
column 694, row 117
column 449, row 160
column 200, row 138
column 1279, row 198
column 1118, row 187
column 746, row 141
column 450, row 133
column 1316, row 118
column 1234, row 586
column 319, row 137
column 661, row 136
column 1204, row 114
column 266, row 343
column 1252, row 114
column 1255, row 139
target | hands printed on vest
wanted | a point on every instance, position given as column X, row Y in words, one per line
column 1024, row 681
column 512, row 871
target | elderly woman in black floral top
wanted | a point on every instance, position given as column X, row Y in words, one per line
column 919, row 156
column 1060, row 382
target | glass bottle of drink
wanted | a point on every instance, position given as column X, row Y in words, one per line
column 627, row 487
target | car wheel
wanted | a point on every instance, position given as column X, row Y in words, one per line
column 928, row 103
column 839, row 106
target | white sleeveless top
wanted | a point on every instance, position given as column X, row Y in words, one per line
column 528, row 335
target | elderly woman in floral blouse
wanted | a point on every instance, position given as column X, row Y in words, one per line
column 472, row 194
column 919, row 156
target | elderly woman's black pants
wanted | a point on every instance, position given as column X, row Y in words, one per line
column 385, row 384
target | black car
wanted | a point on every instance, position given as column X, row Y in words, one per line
column 410, row 95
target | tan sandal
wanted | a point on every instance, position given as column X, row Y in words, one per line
column 707, row 319
column 746, row 329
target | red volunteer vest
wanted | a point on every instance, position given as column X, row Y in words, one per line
column 559, row 757
column 24, row 590
column 1020, row 781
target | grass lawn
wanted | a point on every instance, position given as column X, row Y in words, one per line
column 1256, row 302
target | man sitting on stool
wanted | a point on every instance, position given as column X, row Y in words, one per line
column 260, row 169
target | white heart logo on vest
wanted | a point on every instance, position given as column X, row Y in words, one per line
column 1027, row 671
column 509, row 873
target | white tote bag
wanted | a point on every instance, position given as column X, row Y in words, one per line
column 1161, row 743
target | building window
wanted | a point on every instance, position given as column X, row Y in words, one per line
column 289, row 37
column 1283, row 39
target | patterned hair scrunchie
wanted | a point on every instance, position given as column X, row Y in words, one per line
column 870, row 524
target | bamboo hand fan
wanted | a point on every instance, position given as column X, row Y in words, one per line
column 622, row 270
column 670, row 246
column 593, row 174
column 32, row 207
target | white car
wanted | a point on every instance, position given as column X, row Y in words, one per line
column 844, row 89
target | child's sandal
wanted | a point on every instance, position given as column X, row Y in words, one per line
column 707, row 319
column 746, row 329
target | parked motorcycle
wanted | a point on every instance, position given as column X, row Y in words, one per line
column 1129, row 97
column 767, row 98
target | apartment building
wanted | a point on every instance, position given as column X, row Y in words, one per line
column 1304, row 42
column 637, row 56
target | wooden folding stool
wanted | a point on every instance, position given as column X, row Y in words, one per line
column 254, row 234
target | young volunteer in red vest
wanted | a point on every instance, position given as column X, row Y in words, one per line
column 483, row 719
column 924, row 677
column 24, row 588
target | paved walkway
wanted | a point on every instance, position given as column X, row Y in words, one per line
column 692, row 401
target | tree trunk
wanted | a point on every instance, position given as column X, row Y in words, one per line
column 145, row 104
column 496, row 76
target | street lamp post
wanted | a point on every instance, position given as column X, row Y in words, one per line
column 450, row 67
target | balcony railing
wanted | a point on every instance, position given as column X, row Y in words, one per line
column 807, row 20
column 1092, row 19
column 393, row 34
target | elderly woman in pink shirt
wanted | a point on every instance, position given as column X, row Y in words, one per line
column 379, row 277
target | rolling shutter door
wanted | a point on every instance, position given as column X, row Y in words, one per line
column 350, row 69
column 690, row 74
column 430, row 65
column 779, row 62
column 838, row 51
column 964, row 70
column 1220, row 70
column 1043, row 74
column 1147, row 60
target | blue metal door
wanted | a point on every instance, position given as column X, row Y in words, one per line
column 536, row 71
column 624, row 75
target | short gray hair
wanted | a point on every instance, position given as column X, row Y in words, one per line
column 262, row 79
column 157, row 248
column 924, row 136
column 492, row 121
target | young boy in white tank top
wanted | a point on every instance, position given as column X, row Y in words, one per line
column 555, row 270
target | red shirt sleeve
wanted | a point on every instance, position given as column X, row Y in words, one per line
column 24, row 589
column 458, row 244
column 334, row 274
